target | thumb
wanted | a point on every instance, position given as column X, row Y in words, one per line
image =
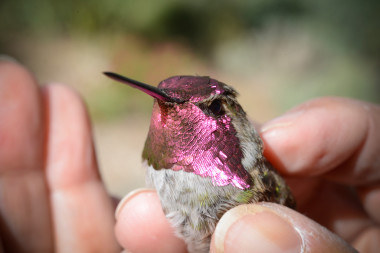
column 269, row 227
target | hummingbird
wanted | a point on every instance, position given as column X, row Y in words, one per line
column 203, row 155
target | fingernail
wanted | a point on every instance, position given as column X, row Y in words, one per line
column 128, row 197
column 286, row 120
column 254, row 228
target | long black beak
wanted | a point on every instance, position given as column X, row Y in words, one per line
column 146, row 88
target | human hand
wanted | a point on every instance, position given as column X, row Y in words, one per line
column 51, row 195
column 329, row 149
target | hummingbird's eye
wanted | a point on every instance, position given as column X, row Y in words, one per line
column 216, row 107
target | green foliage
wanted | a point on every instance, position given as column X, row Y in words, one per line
column 347, row 30
column 194, row 22
column 197, row 23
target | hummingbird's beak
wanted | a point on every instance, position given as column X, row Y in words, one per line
column 146, row 88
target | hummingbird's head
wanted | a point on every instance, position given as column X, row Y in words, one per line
column 198, row 126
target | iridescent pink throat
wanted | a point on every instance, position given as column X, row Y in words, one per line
column 183, row 137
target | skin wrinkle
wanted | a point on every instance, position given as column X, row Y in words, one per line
column 371, row 130
column 340, row 213
column 349, row 165
column 359, row 150
column 227, row 233
column 312, row 238
column 310, row 232
column 372, row 154
column 322, row 157
column 358, row 159
column 350, row 156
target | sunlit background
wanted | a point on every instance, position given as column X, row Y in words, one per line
column 276, row 53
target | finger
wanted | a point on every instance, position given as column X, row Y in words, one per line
column 370, row 197
column 338, row 208
column 25, row 223
column 368, row 241
column 328, row 135
column 268, row 227
column 142, row 227
column 82, row 210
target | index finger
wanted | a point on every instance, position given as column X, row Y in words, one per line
column 336, row 137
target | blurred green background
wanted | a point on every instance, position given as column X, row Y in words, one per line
column 276, row 53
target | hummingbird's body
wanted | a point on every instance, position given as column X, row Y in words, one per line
column 203, row 156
